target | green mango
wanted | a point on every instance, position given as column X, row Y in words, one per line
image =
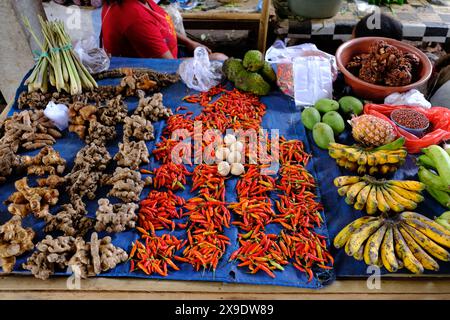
column 335, row 121
column 323, row 135
column 310, row 116
column 325, row 105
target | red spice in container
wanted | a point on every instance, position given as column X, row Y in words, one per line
column 410, row 119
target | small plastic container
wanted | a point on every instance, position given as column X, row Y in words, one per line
column 417, row 132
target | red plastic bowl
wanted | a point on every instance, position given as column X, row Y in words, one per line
column 371, row 91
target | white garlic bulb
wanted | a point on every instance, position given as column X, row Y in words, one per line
column 237, row 146
column 234, row 157
column 237, row 169
column 223, row 168
column 229, row 139
column 222, row 153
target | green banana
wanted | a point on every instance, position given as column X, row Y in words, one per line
column 432, row 180
column 426, row 161
column 442, row 160
column 442, row 197
column 444, row 220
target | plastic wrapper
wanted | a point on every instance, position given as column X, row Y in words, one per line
column 199, row 73
column 58, row 113
column 413, row 98
column 282, row 58
column 174, row 13
column 439, row 129
column 95, row 59
column 312, row 80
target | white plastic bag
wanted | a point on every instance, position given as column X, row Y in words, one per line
column 95, row 59
column 199, row 73
column 58, row 114
column 412, row 98
column 312, row 80
column 281, row 59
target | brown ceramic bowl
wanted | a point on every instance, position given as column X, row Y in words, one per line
column 371, row 91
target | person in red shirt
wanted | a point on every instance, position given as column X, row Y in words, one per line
column 142, row 29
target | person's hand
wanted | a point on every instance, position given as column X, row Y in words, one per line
column 192, row 45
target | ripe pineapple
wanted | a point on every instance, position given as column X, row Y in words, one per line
column 372, row 131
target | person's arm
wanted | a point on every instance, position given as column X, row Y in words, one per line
column 147, row 41
column 189, row 43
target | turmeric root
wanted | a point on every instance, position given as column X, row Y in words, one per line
column 47, row 161
column 31, row 200
column 14, row 241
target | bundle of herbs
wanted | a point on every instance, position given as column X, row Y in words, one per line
column 57, row 64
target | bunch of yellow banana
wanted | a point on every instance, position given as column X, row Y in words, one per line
column 368, row 161
column 379, row 195
column 409, row 240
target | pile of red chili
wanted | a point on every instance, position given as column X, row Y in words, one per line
column 207, row 213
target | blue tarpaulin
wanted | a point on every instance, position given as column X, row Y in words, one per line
column 281, row 114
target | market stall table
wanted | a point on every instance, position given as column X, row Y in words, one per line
column 293, row 124
column 421, row 21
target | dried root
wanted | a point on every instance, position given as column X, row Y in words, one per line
column 47, row 161
column 131, row 154
column 31, row 200
column 113, row 112
column 115, row 218
column 126, row 184
column 14, row 241
column 139, row 128
column 71, row 220
column 152, row 108
column 51, row 253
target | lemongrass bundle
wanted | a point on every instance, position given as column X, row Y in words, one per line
column 57, row 65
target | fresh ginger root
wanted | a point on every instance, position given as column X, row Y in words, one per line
column 131, row 154
column 139, row 128
column 86, row 173
column 14, row 241
column 99, row 134
column 115, row 218
column 51, row 253
column 126, row 184
column 47, row 161
column 85, row 258
column 113, row 112
column 31, row 200
column 152, row 108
